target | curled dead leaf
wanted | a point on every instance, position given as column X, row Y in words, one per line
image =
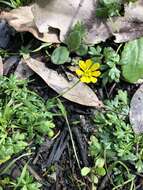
column 68, row 12
column 45, row 18
column 23, row 21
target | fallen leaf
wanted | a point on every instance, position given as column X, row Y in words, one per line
column 69, row 12
column 23, row 71
column 9, row 63
column 70, row 89
column 41, row 20
column 23, row 21
column 1, row 66
column 136, row 111
column 131, row 25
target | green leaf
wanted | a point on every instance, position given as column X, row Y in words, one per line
column 82, row 50
column 74, row 40
column 132, row 60
column 101, row 171
column 45, row 127
column 85, row 171
column 95, row 179
column 100, row 162
column 60, row 55
column 80, row 27
column 21, row 176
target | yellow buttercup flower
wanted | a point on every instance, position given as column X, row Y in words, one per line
column 88, row 71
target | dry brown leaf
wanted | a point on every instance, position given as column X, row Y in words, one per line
column 136, row 111
column 130, row 26
column 63, row 14
column 9, row 63
column 80, row 93
column 23, row 71
column 69, row 12
column 44, row 17
column 22, row 20
column 1, row 66
column 127, row 30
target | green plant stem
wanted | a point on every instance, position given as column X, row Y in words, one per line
column 132, row 187
column 106, row 108
column 119, row 48
column 70, row 132
column 63, row 93
column 13, row 161
column 21, row 176
column 73, row 144
column 126, row 182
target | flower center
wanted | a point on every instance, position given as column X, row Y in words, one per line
column 88, row 73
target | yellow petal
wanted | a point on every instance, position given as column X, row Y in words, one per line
column 82, row 65
column 96, row 73
column 85, row 79
column 93, row 79
column 95, row 66
column 89, row 63
column 79, row 72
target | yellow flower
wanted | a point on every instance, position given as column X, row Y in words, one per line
column 88, row 71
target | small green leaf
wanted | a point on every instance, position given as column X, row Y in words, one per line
column 82, row 50
column 74, row 40
column 101, row 171
column 85, row 171
column 100, row 162
column 60, row 55
column 132, row 60
column 45, row 127
column 50, row 133
column 95, row 179
column 80, row 27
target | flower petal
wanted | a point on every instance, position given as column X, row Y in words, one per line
column 89, row 63
column 85, row 79
column 79, row 72
column 82, row 65
column 95, row 66
column 93, row 79
column 96, row 73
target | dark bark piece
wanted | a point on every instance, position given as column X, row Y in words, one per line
column 9, row 63
column 5, row 33
column 81, row 144
column 58, row 148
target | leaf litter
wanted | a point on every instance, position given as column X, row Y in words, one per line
column 42, row 21
column 46, row 27
column 71, row 89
